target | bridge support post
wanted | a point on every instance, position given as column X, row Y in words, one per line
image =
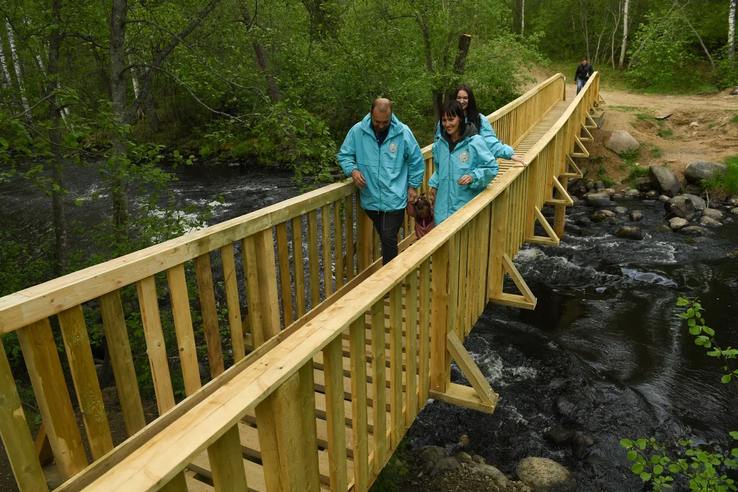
column 365, row 241
column 560, row 212
column 440, row 370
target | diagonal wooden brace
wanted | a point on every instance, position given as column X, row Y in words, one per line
column 480, row 396
column 565, row 197
column 583, row 150
column 573, row 170
column 587, row 137
column 591, row 123
column 524, row 300
column 551, row 239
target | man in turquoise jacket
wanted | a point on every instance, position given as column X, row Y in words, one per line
column 383, row 158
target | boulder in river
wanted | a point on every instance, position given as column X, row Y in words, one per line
column 622, row 142
column 665, row 179
column 599, row 199
column 636, row 215
column 544, row 474
column 712, row 213
column 621, row 210
column 686, row 206
column 734, row 211
column 698, row 171
column 676, row 223
column 709, row 222
column 632, row 193
column 693, row 230
column 629, row 232
column 602, row 215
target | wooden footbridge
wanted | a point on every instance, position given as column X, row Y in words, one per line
column 259, row 385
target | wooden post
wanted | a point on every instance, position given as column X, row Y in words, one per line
column 233, row 302
column 186, row 347
column 286, row 424
column 285, row 282
column 395, row 326
column 226, row 462
column 47, row 377
column 560, row 212
column 267, row 271
column 209, row 311
column 359, row 405
column 365, row 241
column 498, row 231
column 379, row 378
column 333, row 359
column 16, row 436
column 439, row 360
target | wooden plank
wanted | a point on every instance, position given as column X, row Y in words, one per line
column 424, row 334
column 209, row 312
column 470, row 370
column 364, row 245
column 439, row 319
column 254, row 471
column 226, row 463
column 186, row 346
column 284, row 273
column 84, row 377
column 299, row 266
column 313, row 259
column 176, row 484
column 267, row 274
column 562, row 191
column 395, row 325
column 551, row 238
column 333, row 369
column 411, row 347
column 15, row 433
column 155, row 348
column 462, row 396
column 349, row 218
column 119, row 349
column 233, row 302
column 338, row 226
column 286, row 424
column 379, row 396
column 251, row 262
column 359, row 407
column 54, row 403
column 326, row 248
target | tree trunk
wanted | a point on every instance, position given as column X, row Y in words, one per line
column 422, row 22
column 119, row 14
column 262, row 61
column 731, row 30
column 55, row 138
column 624, row 45
column 460, row 62
column 522, row 17
column 18, row 71
column 517, row 17
column 7, row 81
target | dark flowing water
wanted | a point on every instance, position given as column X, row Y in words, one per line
column 604, row 353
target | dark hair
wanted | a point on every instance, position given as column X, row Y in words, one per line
column 452, row 108
column 472, row 113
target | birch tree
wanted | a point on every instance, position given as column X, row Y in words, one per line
column 624, row 45
column 18, row 71
column 731, row 30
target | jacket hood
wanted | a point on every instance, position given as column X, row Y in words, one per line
column 469, row 131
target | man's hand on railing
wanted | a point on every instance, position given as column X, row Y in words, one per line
column 358, row 178
column 412, row 194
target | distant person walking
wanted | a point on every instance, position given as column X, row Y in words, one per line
column 464, row 164
column 584, row 71
column 383, row 158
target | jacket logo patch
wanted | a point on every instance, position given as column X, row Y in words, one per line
column 464, row 157
column 393, row 148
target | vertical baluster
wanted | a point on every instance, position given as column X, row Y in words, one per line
column 50, row 388
column 209, row 312
column 186, row 347
column 379, row 378
column 365, row 242
column 439, row 358
column 178, row 483
column 16, row 436
column 411, row 346
column 226, row 462
column 119, row 349
column 350, row 259
column 424, row 334
column 84, row 377
column 233, row 302
column 395, row 325
column 299, row 266
column 359, row 404
column 251, row 274
column 338, row 224
column 267, row 274
column 326, row 246
column 284, row 273
column 155, row 348
column 333, row 360
column 313, row 259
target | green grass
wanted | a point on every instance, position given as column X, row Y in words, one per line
column 644, row 117
column 665, row 133
column 727, row 181
column 656, row 151
column 734, row 119
column 602, row 176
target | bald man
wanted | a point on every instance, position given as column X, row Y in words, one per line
column 384, row 160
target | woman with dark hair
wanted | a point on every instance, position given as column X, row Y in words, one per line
column 465, row 97
column 464, row 165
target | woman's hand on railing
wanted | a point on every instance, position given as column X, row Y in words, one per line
column 519, row 159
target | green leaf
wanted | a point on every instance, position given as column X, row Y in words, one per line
column 658, row 470
column 682, row 301
column 641, row 443
column 726, row 379
column 637, row 468
column 626, row 443
column 645, row 476
column 708, row 330
column 694, row 330
column 674, row 468
column 632, row 455
column 734, row 435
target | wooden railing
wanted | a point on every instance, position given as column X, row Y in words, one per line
column 241, row 272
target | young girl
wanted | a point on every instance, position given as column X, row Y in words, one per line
column 464, row 166
column 422, row 210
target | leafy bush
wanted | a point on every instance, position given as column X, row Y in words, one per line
column 283, row 136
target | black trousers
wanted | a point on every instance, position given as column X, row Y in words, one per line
column 387, row 225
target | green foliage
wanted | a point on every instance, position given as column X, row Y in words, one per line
column 702, row 467
column 734, row 119
column 656, row 151
column 665, row 132
column 394, row 473
column 602, row 175
column 727, row 180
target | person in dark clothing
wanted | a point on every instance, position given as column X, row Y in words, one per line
column 584, row 71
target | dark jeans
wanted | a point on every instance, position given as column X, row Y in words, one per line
column 387, row 225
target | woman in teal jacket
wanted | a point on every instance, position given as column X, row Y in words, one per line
column 464, row 166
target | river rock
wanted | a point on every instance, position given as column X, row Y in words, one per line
column 632, row 193
column 622, row 142
column 709, row 222
column 599, row 199
column 676, row 223
column 447, row 464
column 651, row 195
column 629, row 232
column 733, row 201
column 621, row 210
column 545, row 475
column 636, row 215
column 643, row 183
column 712, row 213
column 602, row 215
column 686, row 206
column 693, row 230
column 558, row 435
column 496, row 475
column 698, row 171
column 734, row 211
column 665, row 179
column 617, row 196
column 580, row 445
column 664, row 198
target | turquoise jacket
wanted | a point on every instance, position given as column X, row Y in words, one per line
column 470, row 156
column 389, row 169
column 498, row 149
